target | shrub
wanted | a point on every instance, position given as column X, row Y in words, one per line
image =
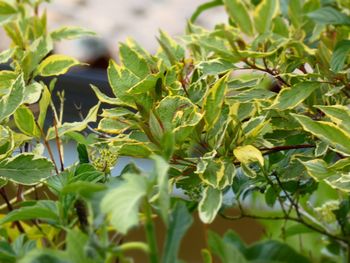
column 256, row 111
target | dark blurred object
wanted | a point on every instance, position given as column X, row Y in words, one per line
column 76, row 85
column 96, row 52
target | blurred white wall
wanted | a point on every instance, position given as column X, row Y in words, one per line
column 115, row 20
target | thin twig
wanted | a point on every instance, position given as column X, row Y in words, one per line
column 10, row 208
column 285, row 217
column 48, row 147
column 103, row 135
column 58, row 144
column 286, row 147
column 267, row 70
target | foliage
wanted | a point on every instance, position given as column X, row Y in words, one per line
column 252, row 115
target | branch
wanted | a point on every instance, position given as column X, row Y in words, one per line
column 285, row 217
column 10, row 208
column 267, row 70
column 286, row 147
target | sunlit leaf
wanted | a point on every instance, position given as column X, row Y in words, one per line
column 56, row 65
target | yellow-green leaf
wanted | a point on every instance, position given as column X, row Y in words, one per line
column 71, row 32
column 266, row 11
column 209, row 204
column 213, row 102
column 339, row 114
column 289, row 98
column 73, row 126
column 327, row 132
column 11, row 101
column 133, row 61
column 239, row 15
column 56, row 65
column 25, row 121
column 26, row 169
column 247, row 154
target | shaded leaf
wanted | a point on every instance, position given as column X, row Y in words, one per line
column 329, row 15
column 180, row 221
column 327, row 132
column 340, row 55
column 289, row 98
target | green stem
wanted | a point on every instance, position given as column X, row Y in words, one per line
column 150, row 234
column 134, row 246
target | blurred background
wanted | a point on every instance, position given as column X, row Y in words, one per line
column 115, row 20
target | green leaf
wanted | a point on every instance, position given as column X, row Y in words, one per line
column 73, row 126
column 83, row 153
column 76, row 247
column 207, row 258
column 266, row 11
column 173, row 51
column 29, row 213
column 37, row 51
column 26, row 169
column 56, row 65
column 329, row 15
column 289, row 98
column 25, row 121
column 5, row 55
column 338, row 114
column 217, row 45
column 297, row 230
column 11, row 101
column 317, row 169
column 210, row 204
column 273, row 251
column 122, row 202
column 6, row 80
column 247, row 154
column 203, row 7
column 104, row 98
column 333, row 175
column 214, row 101
column 218, row 173
column 45, row 256
column 239, row 15
column 180, row 221
column 133, row 61
column 7, row 142
column 113, row 126
column 144, row 86
column 70, row 32
column 43, row 106
column 215, row 66
column 161, row 168
column 7, row 9
column 32, row 93
column 179, row 115
column 121, row 80
column 155, row 126
column 226, row 251
column 340, row 55
column 327, row 132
